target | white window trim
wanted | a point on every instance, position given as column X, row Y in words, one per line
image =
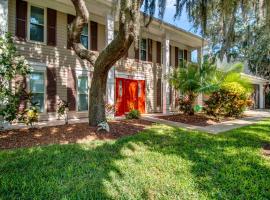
column 88, row 29
column 80, row 73
column 29, row 21
column 146, row 50
column 41, row 68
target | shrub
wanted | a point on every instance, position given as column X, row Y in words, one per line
column 62, row 110
column 109, row 111
column 185, row 104
column 230, row 101
column 12, row 66
column 133, row 114
column 31, row 116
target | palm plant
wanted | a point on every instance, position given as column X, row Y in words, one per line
column 232, row 74
column 191, row 80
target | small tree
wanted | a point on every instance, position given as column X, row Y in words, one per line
column 190, row 80
column 11, row 67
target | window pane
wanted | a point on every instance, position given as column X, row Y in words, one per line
column 37, row 15
column 85, row 30
column 36, row 33
column 83, row 102
column 143, row 44
column 180, row 54
column 37, row 82
column 84, row 41
column 83, row 85
column 39, row 99
column 143, row 55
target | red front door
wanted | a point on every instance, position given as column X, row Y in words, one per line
column 130, row 94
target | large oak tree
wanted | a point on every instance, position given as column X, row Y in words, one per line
column 129, row 15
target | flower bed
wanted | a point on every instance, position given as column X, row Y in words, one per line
column 197, row 119
column 72, row 133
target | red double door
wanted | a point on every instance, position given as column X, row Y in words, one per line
column 130, row 94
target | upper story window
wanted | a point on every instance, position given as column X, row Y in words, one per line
column 37, row 87
column 143, row 50
column 180, row 57
column 82, row 93
column 37, row 24
column 85, row 37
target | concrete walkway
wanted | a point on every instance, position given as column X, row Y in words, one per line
column 253, row 117
column 47, row 123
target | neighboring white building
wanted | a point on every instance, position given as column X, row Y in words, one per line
column 258, row 83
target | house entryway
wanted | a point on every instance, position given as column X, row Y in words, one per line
column 130, row 94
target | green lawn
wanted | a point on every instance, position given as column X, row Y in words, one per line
column 160, row 163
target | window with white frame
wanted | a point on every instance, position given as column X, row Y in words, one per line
column 82, row 83
column 37, row 87
column 85, row 36
column 143, row 50
column 37, row 24
column 180, row 57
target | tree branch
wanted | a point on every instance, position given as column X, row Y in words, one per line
column 129, row 26
column 75, row 30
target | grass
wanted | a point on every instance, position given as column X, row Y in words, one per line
column 159, row 163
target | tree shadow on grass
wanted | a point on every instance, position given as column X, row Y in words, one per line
column 226, row 166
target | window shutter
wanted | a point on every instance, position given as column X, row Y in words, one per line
column 185, row 55
column 51, row 27
column 159, row 52
column 21, row 19
column 51, row 89
column 94, row 36
column 20, row 82
column 70, row 19
column 159, row 92
column 149, row 50
column 71, row 90
column 137, row 54
column 176, row 57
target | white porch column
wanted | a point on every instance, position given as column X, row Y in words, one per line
column 165, row 71
column 111, row 78
column 3, row 16
column 261, row 104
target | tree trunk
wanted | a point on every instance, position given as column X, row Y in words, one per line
column 129, row 25
column 97, row 98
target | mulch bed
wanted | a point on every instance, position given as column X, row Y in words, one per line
column 65, row 134
column 266, row 149
column 197, row 119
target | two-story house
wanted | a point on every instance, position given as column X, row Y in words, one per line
column 137, row 81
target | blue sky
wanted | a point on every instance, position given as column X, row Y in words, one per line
column 181, row 22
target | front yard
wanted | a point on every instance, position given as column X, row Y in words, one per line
column 159, row 163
